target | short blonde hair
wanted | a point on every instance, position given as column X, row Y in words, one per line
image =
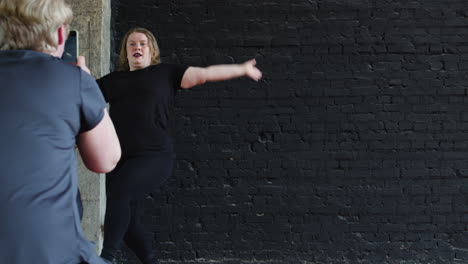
column 153, row 46
column 32, row 24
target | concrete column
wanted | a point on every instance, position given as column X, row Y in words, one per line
column 92, row 21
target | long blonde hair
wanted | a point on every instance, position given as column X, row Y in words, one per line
column 32, row 24
column 153, row 45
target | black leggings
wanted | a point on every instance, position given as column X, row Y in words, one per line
column 125, row 188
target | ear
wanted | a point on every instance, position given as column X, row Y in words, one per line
column 61, row 35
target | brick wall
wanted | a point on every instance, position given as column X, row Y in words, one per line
column 352, row 149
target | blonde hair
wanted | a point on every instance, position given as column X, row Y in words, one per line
column 153, row 46
column 32, row 24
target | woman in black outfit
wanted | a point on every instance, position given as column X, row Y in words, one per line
column 141, row 97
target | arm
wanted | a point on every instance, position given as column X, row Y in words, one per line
column 100, row 147
column 195, row 75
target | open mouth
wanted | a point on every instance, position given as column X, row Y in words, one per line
column 137, row 55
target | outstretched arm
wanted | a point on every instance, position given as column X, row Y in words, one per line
column 195, row 75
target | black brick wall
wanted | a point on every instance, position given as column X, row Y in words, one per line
column 352, row 149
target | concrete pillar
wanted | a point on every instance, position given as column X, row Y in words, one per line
column 92, row 21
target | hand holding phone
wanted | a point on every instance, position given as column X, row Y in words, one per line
column 81, row 62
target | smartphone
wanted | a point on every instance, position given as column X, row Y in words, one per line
column 70, row 53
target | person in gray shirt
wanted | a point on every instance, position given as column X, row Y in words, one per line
column 47, row 106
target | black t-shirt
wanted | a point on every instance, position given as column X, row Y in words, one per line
column 142, row 106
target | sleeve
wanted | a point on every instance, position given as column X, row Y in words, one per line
column 92, row 103
column 102, row 86
column 177, row 72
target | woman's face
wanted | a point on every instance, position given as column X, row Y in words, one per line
column 138, row 51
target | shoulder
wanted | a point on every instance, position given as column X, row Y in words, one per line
column 62, row 71
column 169, row 67
column 46, row 64
column 111, row 77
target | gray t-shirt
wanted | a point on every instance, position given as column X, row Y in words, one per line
column 44, row 104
